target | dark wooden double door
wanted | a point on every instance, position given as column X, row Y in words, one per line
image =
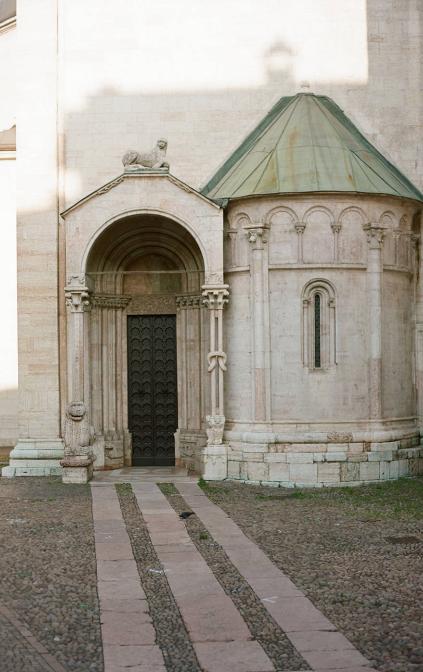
column 152, row 389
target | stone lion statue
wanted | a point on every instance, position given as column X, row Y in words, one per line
column 154, row 159
column 78, row 435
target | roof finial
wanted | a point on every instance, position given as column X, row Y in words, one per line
column 305, row 87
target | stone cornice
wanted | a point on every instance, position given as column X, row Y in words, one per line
column 8, row 24
column 141, row 175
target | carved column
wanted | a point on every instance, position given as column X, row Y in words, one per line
column 257, row 237
column 300, row 228
column 109, row 367
column 374, row 301
column 232, row 235
column 77, row 462
column 78, row 301
column 214, row 466
column 336, row 228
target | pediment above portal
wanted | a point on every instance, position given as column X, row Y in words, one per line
column 155, row 193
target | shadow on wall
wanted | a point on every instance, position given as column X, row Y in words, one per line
column 8, row 420
column 204, row 126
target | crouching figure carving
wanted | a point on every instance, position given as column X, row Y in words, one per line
column 216, row 424
column 78, row 438
column 154, row 160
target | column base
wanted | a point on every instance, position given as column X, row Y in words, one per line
column 77, row 469
column 213, row 462
column 35, row 457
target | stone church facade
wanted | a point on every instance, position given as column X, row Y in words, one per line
column 263, row 327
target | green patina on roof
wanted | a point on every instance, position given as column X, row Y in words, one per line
column 306, row 144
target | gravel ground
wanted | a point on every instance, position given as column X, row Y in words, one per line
column 48, row 573
column 172, row 635
column 355, row 552
column 260, row 623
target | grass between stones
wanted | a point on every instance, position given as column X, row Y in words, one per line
column 260, row 623
column 172, row 636
column 403, row 497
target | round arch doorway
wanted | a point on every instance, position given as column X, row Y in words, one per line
column 148, row 343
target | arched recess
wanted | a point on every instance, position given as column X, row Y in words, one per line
column 147, row 333
column 319, row 325
column 351, row 240
column 318, row 236
column 284, row 235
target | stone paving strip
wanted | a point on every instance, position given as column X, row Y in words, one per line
column 261, row 624
column 129, row 638
column 171, row 633
column 220, row 636
column 311, row 633
column 24, row 651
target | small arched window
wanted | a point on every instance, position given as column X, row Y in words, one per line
column 319, row 325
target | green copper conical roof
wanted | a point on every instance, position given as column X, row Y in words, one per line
column 307, row 144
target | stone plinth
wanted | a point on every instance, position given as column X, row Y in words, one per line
column 77, row 469
column 35, row 457
column 214, row 462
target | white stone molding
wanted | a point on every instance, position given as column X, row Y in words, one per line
column 259, row 297
column 325, row 290
column 375, row 234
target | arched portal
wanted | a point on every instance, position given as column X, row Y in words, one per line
column 148, row 342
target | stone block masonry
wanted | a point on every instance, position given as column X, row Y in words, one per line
column 324, row 464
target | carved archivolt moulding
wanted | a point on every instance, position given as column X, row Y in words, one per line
column 110, row 301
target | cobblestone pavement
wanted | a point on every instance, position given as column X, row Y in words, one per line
column 355, row 552
column 47, row 577
column 287, row 582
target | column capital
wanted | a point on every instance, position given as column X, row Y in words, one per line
column 215, row 296
column 77, row 294
column 336, row 227
column 300, row 227
column 257, row 234
column 375, row 234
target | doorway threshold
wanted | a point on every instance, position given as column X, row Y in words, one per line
column 144, row 474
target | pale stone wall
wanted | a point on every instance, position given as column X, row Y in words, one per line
column 205, row 118
column 353, row 419
column 37, row 241
column 8, row 335
column 90, row 87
